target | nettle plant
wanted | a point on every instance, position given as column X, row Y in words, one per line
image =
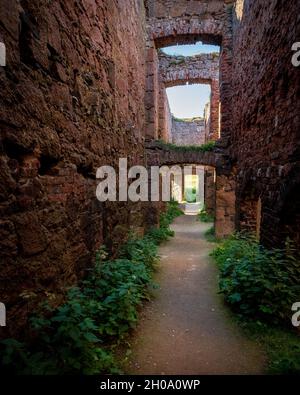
column 81, row 335
column 258, row 282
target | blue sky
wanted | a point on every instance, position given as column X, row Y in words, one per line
column 190, row 50
column 187, row 101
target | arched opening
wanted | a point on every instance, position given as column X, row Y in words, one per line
column 189, row 188
column 188, row 105
column 195, row 64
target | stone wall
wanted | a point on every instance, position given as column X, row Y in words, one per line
column 225, row 208
column 183, row 8
column 72, row 99
column 266, row 117
column 81, row 88
column 185, row 17
column 198, row 69
column 153, row 91
column 159, row 154
column 164, row 115
column 188, row 132
column 186, row 22
column 209, row 190
column 201, row 68
column 207, row 120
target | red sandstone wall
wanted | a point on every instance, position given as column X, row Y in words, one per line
column 183, row 8
column 209, row 190
column 185, row 22
column 199, row 69
column 72, row 99
column 188, row 132
column 265, row 114
column 152, row 92
column 164, row 115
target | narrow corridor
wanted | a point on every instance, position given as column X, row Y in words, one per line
column 186, row 329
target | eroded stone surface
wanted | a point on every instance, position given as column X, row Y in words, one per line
column 190, row 132
column 265, row 116
column 198, row 69
column 72, row 99
column 82, row 88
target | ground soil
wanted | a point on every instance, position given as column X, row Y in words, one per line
column 186, row 328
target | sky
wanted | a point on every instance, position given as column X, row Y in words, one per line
column 188, row 101
column 190, row 50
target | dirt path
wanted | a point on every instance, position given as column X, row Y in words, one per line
column 186, row 328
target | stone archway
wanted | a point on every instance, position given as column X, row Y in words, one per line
column 188, row 23
column 159, row 155
column 179, row 70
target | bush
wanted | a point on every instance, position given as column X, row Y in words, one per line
column 280, row 344
column 79, row 336
column 172, row 212
column 203, row 216
column 258, row 282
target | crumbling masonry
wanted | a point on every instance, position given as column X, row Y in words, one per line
column 84, row 84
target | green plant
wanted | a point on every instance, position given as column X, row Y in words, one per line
column 258, row 282
column 79, row 337
column 207, row 147
column 281, row 345
column 261, row 285
column 163, row 232
column 176, row 60
column 210, row 235
column 172, row 212
column 203, row 216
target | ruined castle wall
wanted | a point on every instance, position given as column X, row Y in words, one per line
column 188, row 132
column 198, row 69
column 72, row 99
column 186, row 8
column 164, row 115
column 266, row 117
column 209, row 190
column 153, row 92
column 204, row 67
column 185, row 17
column 186, row 22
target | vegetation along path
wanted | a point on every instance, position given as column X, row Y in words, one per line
column 186, row 329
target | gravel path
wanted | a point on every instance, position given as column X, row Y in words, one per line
column 186, row 329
